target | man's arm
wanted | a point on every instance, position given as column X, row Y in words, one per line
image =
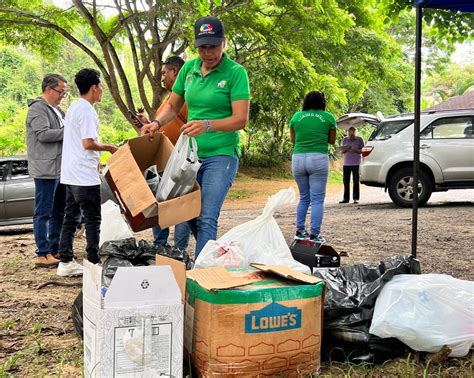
column 169, row 112
column 332, row 136
column 358, row 150
column 92, row 145
column 42, row 128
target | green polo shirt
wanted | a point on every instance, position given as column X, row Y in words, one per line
column 312, row 131
column 210, row 97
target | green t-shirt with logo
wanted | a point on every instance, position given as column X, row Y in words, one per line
column 312, row 131
column 210, row 97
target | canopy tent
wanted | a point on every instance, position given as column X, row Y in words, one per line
column 454, row 5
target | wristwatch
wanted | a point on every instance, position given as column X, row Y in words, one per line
column 158, row 123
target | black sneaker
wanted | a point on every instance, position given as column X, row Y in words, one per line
column 301, row 235
column 317, row 239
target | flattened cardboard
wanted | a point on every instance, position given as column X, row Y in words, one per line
column 179, row 271
column 216, row 278
column 125, row 177
column 287, row 273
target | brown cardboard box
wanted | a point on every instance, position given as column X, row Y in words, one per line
column 253, row 322
column 124, row 174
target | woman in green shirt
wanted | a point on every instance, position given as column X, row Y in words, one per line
column 216, row 91
column 311, row 131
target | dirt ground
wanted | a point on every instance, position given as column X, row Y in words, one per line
column 36, row 332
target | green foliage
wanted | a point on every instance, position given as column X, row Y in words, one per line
column 358, row 53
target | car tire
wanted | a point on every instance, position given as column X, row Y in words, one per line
column 401, row 191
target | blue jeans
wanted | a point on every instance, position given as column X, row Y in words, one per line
column 50, row 197
column 310, row 171
column 215, row 177
column 181, row 235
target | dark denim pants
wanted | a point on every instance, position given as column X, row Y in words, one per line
column 181, row 235
column 347, row 170
column 85, row 199
column 48, row 217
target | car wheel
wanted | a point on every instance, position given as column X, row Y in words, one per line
column 400, row 188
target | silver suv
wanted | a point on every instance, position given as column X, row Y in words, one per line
column 446, row 153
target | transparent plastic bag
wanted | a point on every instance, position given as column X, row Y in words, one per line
column 179, row 176
column 261, row 239
column 113, row 226
column 217, row 253
column 427, row 312
column 152, row 178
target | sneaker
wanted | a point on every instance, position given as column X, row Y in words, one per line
column 69, row 269
column 301, row 235
column 344, row 201
column 356, row 201
column 317, row 239
column 47, row 261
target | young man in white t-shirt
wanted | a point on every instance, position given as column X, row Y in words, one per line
column 80, row 174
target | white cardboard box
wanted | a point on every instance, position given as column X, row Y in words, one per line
column 135, row 328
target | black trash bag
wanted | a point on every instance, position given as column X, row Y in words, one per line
column 109, row 268
column 349, row 304
column 168, row 251
column 77, row 317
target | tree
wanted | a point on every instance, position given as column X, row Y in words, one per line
column 148, row 30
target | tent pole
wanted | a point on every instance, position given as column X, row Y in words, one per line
column 416, row 128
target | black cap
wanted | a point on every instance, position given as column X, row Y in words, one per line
column 208, row 31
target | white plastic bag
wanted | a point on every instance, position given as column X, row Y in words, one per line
column 261, row 239
column 426, row 312
column 113, row 226
column 181, row 170
column 217, row 253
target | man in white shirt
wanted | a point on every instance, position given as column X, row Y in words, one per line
column 80, row 174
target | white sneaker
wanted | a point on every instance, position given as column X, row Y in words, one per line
column 72, row 268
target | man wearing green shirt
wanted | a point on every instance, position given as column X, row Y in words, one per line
column 216, row 91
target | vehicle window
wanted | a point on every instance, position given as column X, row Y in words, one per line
column 3, row 170
column 449, row 128
column 19, row 169
column 388, row 129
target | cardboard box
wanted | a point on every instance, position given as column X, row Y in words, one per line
column 261, row 321
column 315, row 255
column 124, row 174
column 135, row 327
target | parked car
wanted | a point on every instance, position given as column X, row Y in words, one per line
column 446, row 153
column 17, row 191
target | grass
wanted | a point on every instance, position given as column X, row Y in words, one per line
column 411, row 366
column 238, row 194
column 283, row 172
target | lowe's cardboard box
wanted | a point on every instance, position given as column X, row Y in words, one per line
column 124, row 174
column 135, row 327
column 260, row 321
